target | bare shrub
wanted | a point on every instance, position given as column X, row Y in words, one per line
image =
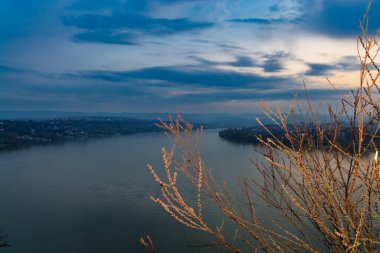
column 322, row 177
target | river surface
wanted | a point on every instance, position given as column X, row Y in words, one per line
column 93, row 196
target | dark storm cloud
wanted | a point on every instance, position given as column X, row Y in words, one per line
column 348, row 63
column 191, row 76
column 111, row 28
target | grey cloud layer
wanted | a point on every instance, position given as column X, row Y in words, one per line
column 131, row 23
column 125, row 6
column 191, row 76
column 105, row 36
column 120, row 28
column 348, row 63
column 334, row 18
column 146, row 87
column 271, row 62
column 339, row 18
column 261, row 21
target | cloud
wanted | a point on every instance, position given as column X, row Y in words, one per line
column 318, row 69
column 124, row 97
column 112, row 28
column 347, row 63
column 105, row 36
column 274, row 62
column 191, row 76
column 271, row 63
column 16, row 17
column 157, row 87
column 7, row 69
column 116, row 5
column 338, row 18
column 13, row 70
column 34, row 85
column 260, row 21
column 247, row 94
column 94, row 4
column 156, row 26
column 243, row 61
column 240, row 61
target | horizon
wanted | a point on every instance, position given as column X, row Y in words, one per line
column 195, row 117
column 139, row 56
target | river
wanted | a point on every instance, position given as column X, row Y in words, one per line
column 93, row 196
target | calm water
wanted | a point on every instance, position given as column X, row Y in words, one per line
column 93, row 196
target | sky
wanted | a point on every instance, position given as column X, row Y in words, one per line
column 195, row 56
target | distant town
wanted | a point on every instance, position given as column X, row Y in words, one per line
column 25, row 132
column 15, row 133
column 43, row 127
